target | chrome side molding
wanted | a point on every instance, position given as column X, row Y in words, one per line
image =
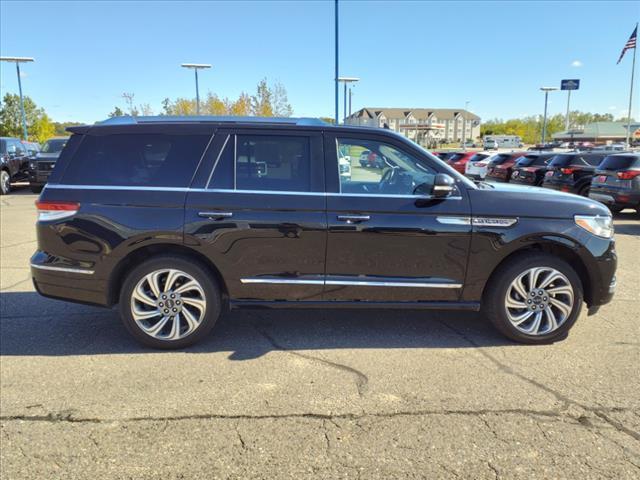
column 63, row 269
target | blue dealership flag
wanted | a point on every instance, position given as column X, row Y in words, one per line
column 631, row 43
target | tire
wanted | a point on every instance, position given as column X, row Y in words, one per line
column 36, row 188
column 501, row 285
column 194, row 322
column 5, row 182
column 584, row 191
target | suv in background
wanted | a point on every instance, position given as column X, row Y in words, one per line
column 41, row 166
column 458, row 161
column 530, row 168
column 176, row 218
column 476, row 168
column 572, row 172
column 32, row 148
column 501, row 166
column 616, row 182
column 490, row 145
column 14, row 163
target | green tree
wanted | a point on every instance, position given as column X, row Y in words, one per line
column 261, row 102
column 42, row 129
column 39, row 125
column 117, row 112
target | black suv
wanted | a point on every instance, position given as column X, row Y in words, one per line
column 616, row 183
column 14, row 163
column 531, row 168
column 176, row 218
column 572, row 172
column 41, row 166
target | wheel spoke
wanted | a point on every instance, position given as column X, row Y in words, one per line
column 561, row 289
column 154, row 282
column 174, row 334
column 139, row 315
column 140, row 295
column 157, row 328
column 513, row 303
column 519, row 319
column 172, row 276
column 196, row 302
column 519, row 287
column 551, row 318
column 189, row 286
column 552, row 276
column 564, row 308
column 535, row 326
column 192, row 322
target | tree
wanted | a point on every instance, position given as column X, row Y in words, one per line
column 117, row 112
column 281, row 105
column 39, row 125
column 261, row 102
column 42, row 129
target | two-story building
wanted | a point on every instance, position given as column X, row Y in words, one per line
column 427, row 126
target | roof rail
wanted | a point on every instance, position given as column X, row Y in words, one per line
column 129, row 120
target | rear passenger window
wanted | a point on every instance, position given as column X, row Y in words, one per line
column 156, row 160
column 278, row 163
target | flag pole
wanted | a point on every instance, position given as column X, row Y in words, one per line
column 633, row 71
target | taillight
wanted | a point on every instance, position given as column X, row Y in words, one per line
column 568, row 171
column 549, row 173
column 56, row 210
column 529, row 169
column 628, row 174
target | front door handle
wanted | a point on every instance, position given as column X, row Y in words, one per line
column 215, row 215
column 353, row 218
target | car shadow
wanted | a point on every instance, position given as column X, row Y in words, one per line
column 55, row 328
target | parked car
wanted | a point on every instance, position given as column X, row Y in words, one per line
column 616, row 182
column 41, row 166
column 476, row 168
column 490, row 145
column 530, row 168
column 172, row 219
column 344, row 166
column 444, row 155
column 371, row 160
column 572, row 172
column 501, row 166
column 458, row 161
column 14, row 163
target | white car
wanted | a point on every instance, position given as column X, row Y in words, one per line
column 490, row 145
column 344, row 164
column 476, row 168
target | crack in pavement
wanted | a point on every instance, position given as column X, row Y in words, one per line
column 4, row 289
column 361, row 380
column 565, row 400
column 18, row 244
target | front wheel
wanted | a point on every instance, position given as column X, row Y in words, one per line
column 5, row 182
column 169, row 302
column 36, row 188
column 534, row 299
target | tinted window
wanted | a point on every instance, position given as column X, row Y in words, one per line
column 531, row 160
column 456, row 156
column 478, row 156
column 594, row 159
column 620, row 162
column 222, row 176
column 54, row 146
column 278, row 163
column 499, row 159
column 564, row 160
column 136, row 159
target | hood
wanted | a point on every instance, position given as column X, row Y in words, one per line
column 47, row 156
column 507, row 199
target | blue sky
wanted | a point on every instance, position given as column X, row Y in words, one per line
column 408, row 54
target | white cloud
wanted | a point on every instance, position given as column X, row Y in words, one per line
column 576, row 63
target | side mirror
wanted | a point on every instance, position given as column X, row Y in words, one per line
column 443, row 185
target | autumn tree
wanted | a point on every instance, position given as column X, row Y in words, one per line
column 39, row 125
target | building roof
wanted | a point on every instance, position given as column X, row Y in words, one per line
column 418, row 113
column 596, row 130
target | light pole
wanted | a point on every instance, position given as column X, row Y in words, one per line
column 546, row 91
column 18, row 61
column 195, row 67
column 350, row 95
column 346, row 80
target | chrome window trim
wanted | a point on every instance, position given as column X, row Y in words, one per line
column 62, row 269
column 356, row 283
column 215, row 164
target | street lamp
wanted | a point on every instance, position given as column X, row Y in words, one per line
column 195, row 67
column 18, row 61
column 347, row 80
column 546, row 91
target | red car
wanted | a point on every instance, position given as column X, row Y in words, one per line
column 501, row 167
column 458, row 161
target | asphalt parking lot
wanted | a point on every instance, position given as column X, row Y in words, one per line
column 291, row 394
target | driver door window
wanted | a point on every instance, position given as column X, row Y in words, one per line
column 377, row 168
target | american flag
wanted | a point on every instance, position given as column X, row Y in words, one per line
column 631, row 43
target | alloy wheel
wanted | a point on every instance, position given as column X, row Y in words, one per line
column 539, row 301
column 168, row 304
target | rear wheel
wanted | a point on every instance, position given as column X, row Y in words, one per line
column 169, row 302
column 5, row 182
column 584, row 191
column 534, row 299
column 36, row 188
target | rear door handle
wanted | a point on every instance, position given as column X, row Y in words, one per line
column 353, row 218
column 215, row 215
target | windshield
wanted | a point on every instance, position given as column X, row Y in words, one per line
column 54, row 146
column 619, row 162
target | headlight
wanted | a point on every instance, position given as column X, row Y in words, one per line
column 596, row 224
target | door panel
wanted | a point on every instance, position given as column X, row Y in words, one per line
column 398, row 247
column 268, row 245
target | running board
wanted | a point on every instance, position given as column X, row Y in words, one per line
column 468, row 306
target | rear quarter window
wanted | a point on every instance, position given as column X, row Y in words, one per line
column 620, row 162
column 157, row 160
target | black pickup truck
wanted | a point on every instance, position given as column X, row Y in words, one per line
column 14, row 163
